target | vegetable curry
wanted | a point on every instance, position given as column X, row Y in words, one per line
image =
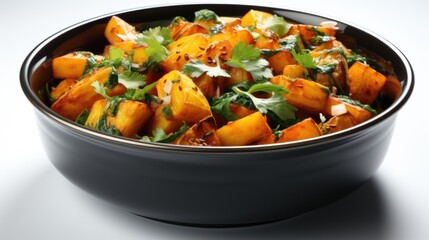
column 222, row 81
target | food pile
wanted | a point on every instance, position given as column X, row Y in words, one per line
column 222, row 81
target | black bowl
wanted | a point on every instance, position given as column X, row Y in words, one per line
column 211, row 186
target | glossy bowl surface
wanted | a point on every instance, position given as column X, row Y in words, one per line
column 210, row 186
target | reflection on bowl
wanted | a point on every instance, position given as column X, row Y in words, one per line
column 219, row 186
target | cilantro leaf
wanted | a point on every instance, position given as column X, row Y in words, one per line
column 132, row 79
column 102, row 90
column 160, row 136
column 161, row 34
column 205, row 15
column 221, row 105
column 156, row 52
column 276, row 103
column 139, row 94
column 248, row 58
column 304, row 58
column 278, row 25
column 195, row 68
column 367, row 107
column 243, row 52
column 115, row 53
column 268, row 88
column 103, row 126
column 156, row 40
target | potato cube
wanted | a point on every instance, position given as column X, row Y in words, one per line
column 359, row 114
column 185, row 99
column 305, row 129
column 202, row 133
column 131, row 116
column 160, row 120
column 64, row 86
column 305, row 94
column 117, row 30
column 255, row 18
column 183, row 50
column 82, row 95
column 365, row 83
column 244, row 131
column 71, row 65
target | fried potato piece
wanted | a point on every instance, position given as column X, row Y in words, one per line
column 365, row 83
column 71, row 65
column 185, row 99
column 202, row 133
column 64, row 86
column 339, row 123
column 161, row 120
column 183, row 50
column 307, row 128
column 255, row 18
column 117, row 31
column 359, row 114
column 305, row 94
column 83, row 94
column 131, row 116
column 244, row 131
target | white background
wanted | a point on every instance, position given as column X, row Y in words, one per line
column 36, row 202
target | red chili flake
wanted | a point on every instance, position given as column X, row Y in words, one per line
column 199, row 55
column 202, row 48
column 180, row 88
column 186, row 57
column 178, row 58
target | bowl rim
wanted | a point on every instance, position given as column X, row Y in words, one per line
column 27, row 69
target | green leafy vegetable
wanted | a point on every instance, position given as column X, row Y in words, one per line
column 160, row 136
column 248, row 58
column 195, row 68
column 103, row 126
column 276, row 103
column 277, row 24
column 304, row 58
column 221, row 105
column 81, row 119
column 206, row 15
column 156, row 40
column 132, row 79
column 161, row 34
column 115, row 53
column 367, row 107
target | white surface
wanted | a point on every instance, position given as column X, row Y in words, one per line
column 36, row 202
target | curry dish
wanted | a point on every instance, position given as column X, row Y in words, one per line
column 222, row 81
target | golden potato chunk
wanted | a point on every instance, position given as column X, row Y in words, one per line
column 161, row 120
column 244, row 131
column 202, row 133
column 305, row 94
column 183, row 50
column 364, row 82
column 340, row 122
column 71, row 65
column 64, row 86
column 82, row 95
column 130, row 117
column 182, row 95
column 255, row 18
column 117, row 30
column 359, row 114
column 307, row 128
